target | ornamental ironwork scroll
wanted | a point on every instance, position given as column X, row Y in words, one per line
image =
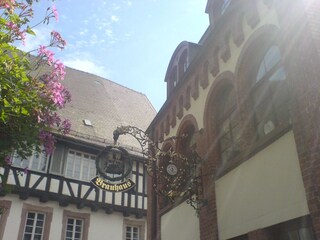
column 176, row 176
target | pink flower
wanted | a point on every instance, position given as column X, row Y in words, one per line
column 23, row 38
column 8, row 160
column 12, row 26
column 57, row 40
column 42, row 50
column 52, row 119
column 59, row 69
column 47, row 54
column 55, row 13
column 48, row 141
column 9, row 5
column 16, row 33
column 66, row 126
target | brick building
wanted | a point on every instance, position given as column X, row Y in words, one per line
column 248, row 95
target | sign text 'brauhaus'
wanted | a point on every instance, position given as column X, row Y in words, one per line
column 117, row 187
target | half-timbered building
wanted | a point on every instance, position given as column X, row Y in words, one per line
column 55, row 199
column 246, row 97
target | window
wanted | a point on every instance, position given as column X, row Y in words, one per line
column 183, row 64
column 174, row 77
column 75, row 225
column 228, row 125
column 269, row 94
column 35, row 222
column 80, row 165
column 300, row 234
column 134, row 230
column 36, row 162
column 296, row 229
column 34, row 227
column 74, row 229
column 187, row 143
column 57, row 160
column 132, row 233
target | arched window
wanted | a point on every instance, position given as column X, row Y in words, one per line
column 187, row 142
column 174, row 77
column 228, row 125
column 183, row 64
column 269, row 93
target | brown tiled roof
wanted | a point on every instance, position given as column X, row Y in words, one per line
column 107, row 105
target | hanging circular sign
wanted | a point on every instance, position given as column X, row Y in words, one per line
column 114, row 163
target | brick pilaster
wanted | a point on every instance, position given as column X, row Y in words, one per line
column 303, row 65
column 259, row 234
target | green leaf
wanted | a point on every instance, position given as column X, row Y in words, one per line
column 6, row 103
column 29, row 31
column 24, row 111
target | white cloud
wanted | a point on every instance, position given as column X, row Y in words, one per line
column 115, row 7
column 109, row 33
column 87, row 65
column 43, row 36
column 128, row 35
column 83, row 32
column 114, row 18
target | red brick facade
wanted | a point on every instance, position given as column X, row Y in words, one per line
column 304, row 66
column 298, row 37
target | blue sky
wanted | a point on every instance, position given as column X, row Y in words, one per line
column 126, row 41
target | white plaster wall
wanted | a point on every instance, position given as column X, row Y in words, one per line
column 102, row 225
column 181, row 223
column 265, row 190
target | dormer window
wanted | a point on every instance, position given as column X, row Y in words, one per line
column 175, row 82
column 179, row 64
column 174, row 77
column 87, row 122
column 183, row 64
column 172, row 80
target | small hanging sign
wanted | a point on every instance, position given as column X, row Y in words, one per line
column 113, row 166
column 103, row 184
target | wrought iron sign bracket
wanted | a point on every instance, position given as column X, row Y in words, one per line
column 175, row 175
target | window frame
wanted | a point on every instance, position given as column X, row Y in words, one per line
column 34, row 226
column 134, row 223
column 264, row 84
column 58, row 157
column 228, row 117
column 18, row 162
column 284, row 229
column 85, row 217
column 47, row 211
column 81, row 164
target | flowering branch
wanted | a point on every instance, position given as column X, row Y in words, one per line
column 28, row 103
